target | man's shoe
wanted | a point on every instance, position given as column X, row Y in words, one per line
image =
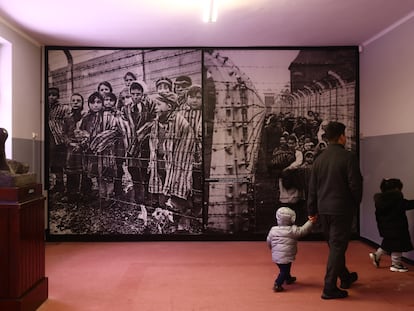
column 291, row 280
column 278, row 288
column 375, row 259
column 346, row 283
column 398, row 268
column 335, row 294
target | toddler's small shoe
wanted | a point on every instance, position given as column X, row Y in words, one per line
column 277, row 288
column 398, row 268
column 375, row 259
column 291, row 280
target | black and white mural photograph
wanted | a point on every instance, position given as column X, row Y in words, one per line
column 191, row 142
column 265, row 112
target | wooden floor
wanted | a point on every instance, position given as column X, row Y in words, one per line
column 204, row 276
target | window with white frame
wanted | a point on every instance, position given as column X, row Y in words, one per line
column 6, row 91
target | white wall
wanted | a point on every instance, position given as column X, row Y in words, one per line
column 27, row 109
column 387, row 108
column 387, row 83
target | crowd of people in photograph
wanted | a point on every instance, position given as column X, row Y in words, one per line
column 138, row 148
column 291, row 144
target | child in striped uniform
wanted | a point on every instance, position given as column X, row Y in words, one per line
column 58, row 112
column 172, row 147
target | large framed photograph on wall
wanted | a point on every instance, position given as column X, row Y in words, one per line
column 188, row 143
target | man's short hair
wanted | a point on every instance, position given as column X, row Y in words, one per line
column 334, row 130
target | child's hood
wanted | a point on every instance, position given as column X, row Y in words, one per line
column 285, row 216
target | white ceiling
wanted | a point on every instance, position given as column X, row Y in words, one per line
column 178, row 23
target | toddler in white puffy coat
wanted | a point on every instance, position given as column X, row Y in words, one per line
column 282, row 240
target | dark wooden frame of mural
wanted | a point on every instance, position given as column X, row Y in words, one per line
column 228, row 235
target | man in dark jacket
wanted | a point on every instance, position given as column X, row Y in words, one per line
column 335, row 192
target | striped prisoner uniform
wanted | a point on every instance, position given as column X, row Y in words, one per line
column 57, row 115
column 57, row 148
column 136, row 121
column 134, row 118
column 194, row 118
column 172, row 142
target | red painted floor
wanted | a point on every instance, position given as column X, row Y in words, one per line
column 201, row 276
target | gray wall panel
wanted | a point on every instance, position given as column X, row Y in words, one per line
column 30, row 152
column 385, row 157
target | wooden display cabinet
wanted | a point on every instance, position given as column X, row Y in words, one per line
column 23, row 285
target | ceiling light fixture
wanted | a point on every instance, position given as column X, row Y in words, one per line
column 210, row 11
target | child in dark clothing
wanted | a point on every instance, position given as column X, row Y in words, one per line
column 390, row 208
